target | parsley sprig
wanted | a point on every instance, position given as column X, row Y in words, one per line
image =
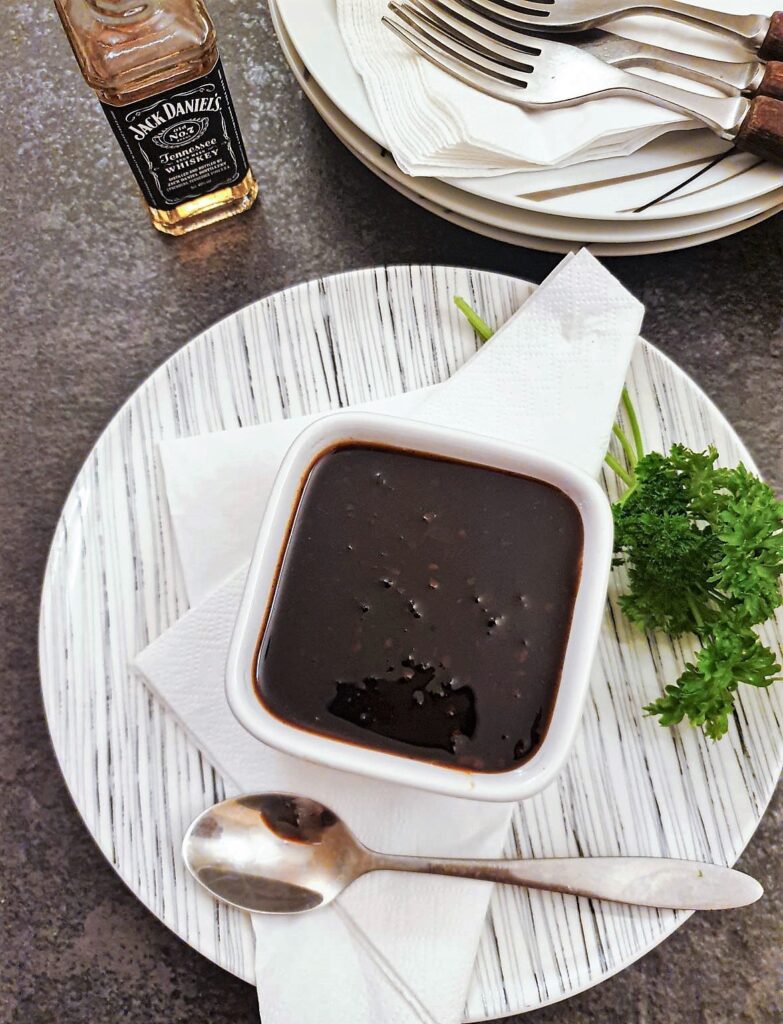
column 703, row 546
column 703, row 550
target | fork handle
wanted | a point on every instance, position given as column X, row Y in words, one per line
column 772, row 82
column 752, row 29
column 765, row 34
column 761, row 131
column 753, row 125
column 772, row 46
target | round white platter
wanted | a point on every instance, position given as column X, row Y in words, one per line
column 112, row 585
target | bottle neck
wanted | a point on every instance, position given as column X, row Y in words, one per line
column 131, row 49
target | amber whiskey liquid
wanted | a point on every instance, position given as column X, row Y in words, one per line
column 155, row 67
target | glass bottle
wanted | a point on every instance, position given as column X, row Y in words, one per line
column 155, row 67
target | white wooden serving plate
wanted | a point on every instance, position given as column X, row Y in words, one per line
column 113, row 584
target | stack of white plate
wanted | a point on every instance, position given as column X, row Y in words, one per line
column 682, row 190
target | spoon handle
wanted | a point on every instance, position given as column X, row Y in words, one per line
column 641, row 881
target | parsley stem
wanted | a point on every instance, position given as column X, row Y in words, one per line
column 695, row 611
column 634, row 421
column 614, row 465
column 630, row 454
column 481, row 328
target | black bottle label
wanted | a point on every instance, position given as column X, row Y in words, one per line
column 183, row 143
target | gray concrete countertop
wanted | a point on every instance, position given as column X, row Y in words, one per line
column 92, row 300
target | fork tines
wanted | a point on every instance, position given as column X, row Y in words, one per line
column 460, row 19
column 462, row 48
column 504, row 12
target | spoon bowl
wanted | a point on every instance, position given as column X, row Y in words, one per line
column 275, row 853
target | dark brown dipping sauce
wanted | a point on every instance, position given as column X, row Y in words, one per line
column 423, row 607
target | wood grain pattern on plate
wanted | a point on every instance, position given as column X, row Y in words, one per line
column 112, row 585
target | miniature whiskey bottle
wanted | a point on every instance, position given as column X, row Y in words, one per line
column 155, row 67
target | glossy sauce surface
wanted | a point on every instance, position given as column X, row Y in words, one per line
column 422, row 607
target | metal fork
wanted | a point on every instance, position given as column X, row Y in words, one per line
column 755, row 31
column 549, row 74
column 747, row 77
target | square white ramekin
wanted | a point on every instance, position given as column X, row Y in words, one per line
column 413, row 435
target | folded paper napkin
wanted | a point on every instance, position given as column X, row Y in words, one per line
column 436, row 125
column 393, row 949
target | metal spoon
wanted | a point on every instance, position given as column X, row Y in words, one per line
column 273, row 853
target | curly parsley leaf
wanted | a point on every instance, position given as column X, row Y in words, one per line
column 704, row 693
column 747, row 524
column 670, row 557
column 703, row 547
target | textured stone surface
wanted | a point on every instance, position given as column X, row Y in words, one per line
column 92, row 300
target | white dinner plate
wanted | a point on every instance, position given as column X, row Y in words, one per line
column 557, row 245
column 113, row 584
column 670, row 178
column 516, row 226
